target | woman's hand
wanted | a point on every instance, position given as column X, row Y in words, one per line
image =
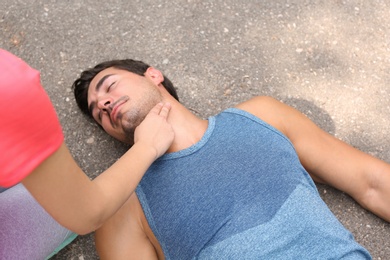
column 155, row 131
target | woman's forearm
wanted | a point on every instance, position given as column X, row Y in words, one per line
column 75, row 201
column 117, row 183
column 82, row 205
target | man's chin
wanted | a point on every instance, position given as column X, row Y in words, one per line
column 128, row 137
column 125, row 139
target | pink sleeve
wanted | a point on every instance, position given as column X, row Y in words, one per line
column 30, row 130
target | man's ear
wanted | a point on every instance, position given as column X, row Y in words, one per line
column 155, row 75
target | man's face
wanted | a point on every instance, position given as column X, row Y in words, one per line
column 119, row 100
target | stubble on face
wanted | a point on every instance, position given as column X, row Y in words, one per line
column 134, row 116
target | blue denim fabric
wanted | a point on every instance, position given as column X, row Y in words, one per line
column 240, row 193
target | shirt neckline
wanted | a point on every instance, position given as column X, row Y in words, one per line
column 195, row 147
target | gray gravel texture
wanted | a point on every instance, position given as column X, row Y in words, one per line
column 330, row 59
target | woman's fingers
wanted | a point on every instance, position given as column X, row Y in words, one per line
column 155, row 131
column 161, row 109
column 164, row 111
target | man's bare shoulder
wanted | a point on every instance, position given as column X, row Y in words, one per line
column 258, row 103
column 266, row 108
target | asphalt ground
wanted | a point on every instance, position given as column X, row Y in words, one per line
column 330, row 59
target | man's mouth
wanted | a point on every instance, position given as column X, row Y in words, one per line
column 115, row 107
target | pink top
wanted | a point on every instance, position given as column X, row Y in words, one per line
column 30, row 130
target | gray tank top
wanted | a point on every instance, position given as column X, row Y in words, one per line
column 240, row 193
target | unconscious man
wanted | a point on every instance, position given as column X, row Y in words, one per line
column 239, row 185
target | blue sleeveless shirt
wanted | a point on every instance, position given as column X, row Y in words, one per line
column 240, row 193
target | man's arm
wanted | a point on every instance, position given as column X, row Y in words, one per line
column 327, row 159
column 126, row 235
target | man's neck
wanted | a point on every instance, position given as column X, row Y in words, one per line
column 188, row 128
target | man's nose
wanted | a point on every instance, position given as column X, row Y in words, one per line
column 104, row 104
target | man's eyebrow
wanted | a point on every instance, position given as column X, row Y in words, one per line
column 101, row 81
column 98, row 86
